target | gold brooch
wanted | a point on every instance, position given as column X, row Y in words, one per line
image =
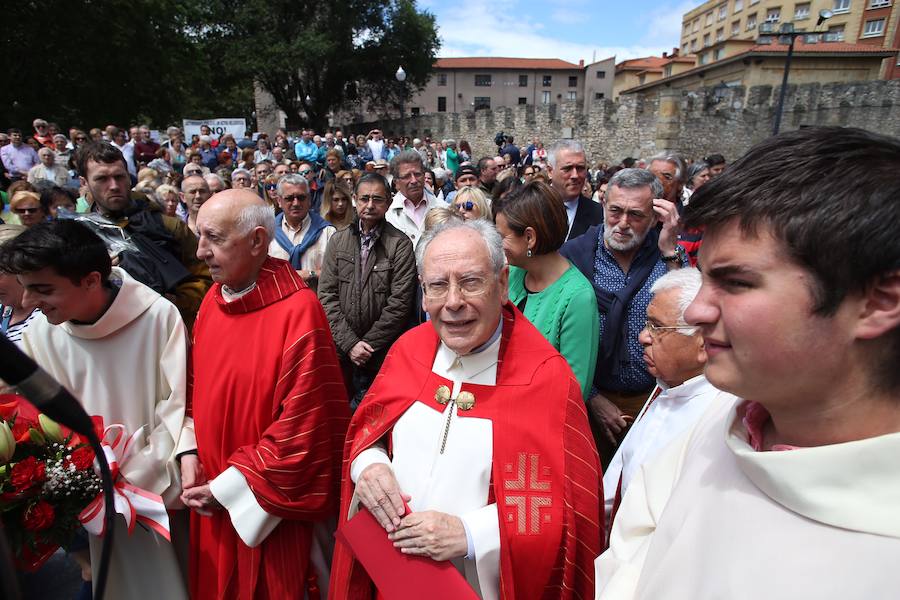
column 465, row 400
column 442, row 395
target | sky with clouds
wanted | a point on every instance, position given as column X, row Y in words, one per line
column 566, row 29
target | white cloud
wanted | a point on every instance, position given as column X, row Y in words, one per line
column 664, row 22
column 498, row 28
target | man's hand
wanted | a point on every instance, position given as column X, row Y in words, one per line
column 611, row 419
column 437, row 535
column 380, row 493
column 667, row 214
column 361, row 353
column 200, row 498
column 191, row 471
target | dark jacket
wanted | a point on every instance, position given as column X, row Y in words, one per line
column 171, row 235
column 373, row 303
column 588, row 214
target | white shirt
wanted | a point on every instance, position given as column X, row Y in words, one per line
column 377, row 148
column 668, row 416
column 398, row 216
column 456, row 481
column 314, row 256
column 571, row 209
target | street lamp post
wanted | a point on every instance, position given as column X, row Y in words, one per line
column 787, row 35
column 401, row 77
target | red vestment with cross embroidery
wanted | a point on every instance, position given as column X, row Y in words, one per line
column 545, row 476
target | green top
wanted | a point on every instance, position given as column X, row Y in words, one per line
column 452, row 160
column 566, row 314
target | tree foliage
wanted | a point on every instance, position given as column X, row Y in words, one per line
column 337, row 54
column 89, row 63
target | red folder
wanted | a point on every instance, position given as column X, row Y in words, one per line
column 401, row 576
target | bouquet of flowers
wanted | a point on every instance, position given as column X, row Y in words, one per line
column 47, row 478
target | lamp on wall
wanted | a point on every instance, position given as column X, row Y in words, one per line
column 401, row 77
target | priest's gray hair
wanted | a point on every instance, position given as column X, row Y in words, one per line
column 687, row 282
column 485, row 230
column 256, row 215
column 291, row 179
column 561, row 145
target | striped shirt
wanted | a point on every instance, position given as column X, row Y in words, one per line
column 13, row 331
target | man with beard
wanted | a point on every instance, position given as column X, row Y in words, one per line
column 623, row 259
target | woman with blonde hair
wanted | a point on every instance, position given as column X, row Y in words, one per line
column 337, row 203
column 472, row 203
column 27, row 208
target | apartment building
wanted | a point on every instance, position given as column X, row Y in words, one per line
column 859, row 22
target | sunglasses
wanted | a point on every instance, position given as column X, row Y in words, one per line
column 25, row 211
column 465, row 205
column 295, row 198
column 271, row 186
column 304, row 172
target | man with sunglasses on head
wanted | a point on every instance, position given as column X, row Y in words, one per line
column 367, row 286
column 301, row 235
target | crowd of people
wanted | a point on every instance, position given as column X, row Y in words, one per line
column 570, row 381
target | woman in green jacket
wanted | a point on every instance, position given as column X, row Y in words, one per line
column 552, row 293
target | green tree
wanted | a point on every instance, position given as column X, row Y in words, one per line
column 88, row 64
column 334, row 53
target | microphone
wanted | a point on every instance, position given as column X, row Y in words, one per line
column 55, row 401
column 42, row 390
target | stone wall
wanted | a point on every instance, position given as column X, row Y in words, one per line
column 695, row 123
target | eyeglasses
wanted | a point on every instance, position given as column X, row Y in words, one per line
column 81, row 138
column 465, row 206
column 25, row 211
column 304, row 172
column 656, row 331
column 469, row 287
column 295, row 197
column 372, row 199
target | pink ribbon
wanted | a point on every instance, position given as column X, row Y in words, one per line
column 135, row 504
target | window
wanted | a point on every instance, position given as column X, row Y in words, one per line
column 703, row 58
column 720, row 34
column 684, row 48
column 695, row 26
column 523, row 100
column 572, row 96
column 841, row 6
column 442, row 79
column 801, row 11
column 642, row 78
column 442, row 103
column 751, row 22
column 573, row 81
column 752, row 2
column 735, row 28
column 545, row 97
column 667, row 71
column 694, row 45
column 482, row 102
column 483, row 81
column 601, row 74
column 709, row 18
column 738, row 5
column 416, row 111
column 836, row 32
column 879, row 3
column 687, row 28
column 873, row 28
column 773, row 15
column 599, row 95
column 706, row 41
column 719, row 54
column 523, row 80
column 723, row 12
column 547, row 81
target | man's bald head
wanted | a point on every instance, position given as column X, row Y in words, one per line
column 235, row 228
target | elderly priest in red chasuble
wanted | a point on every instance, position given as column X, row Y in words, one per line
column 478, row 424
column 270, row 411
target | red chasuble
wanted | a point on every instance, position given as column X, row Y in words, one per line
column 546, row 473
column 268, row 398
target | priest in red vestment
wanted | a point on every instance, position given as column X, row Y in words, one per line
column 270, row 411
column 478, row 424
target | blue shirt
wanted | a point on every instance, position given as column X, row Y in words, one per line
column 609, row 276
column 306, row 150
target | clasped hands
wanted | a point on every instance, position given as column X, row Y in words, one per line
column 195, row 493
column 437, row 535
